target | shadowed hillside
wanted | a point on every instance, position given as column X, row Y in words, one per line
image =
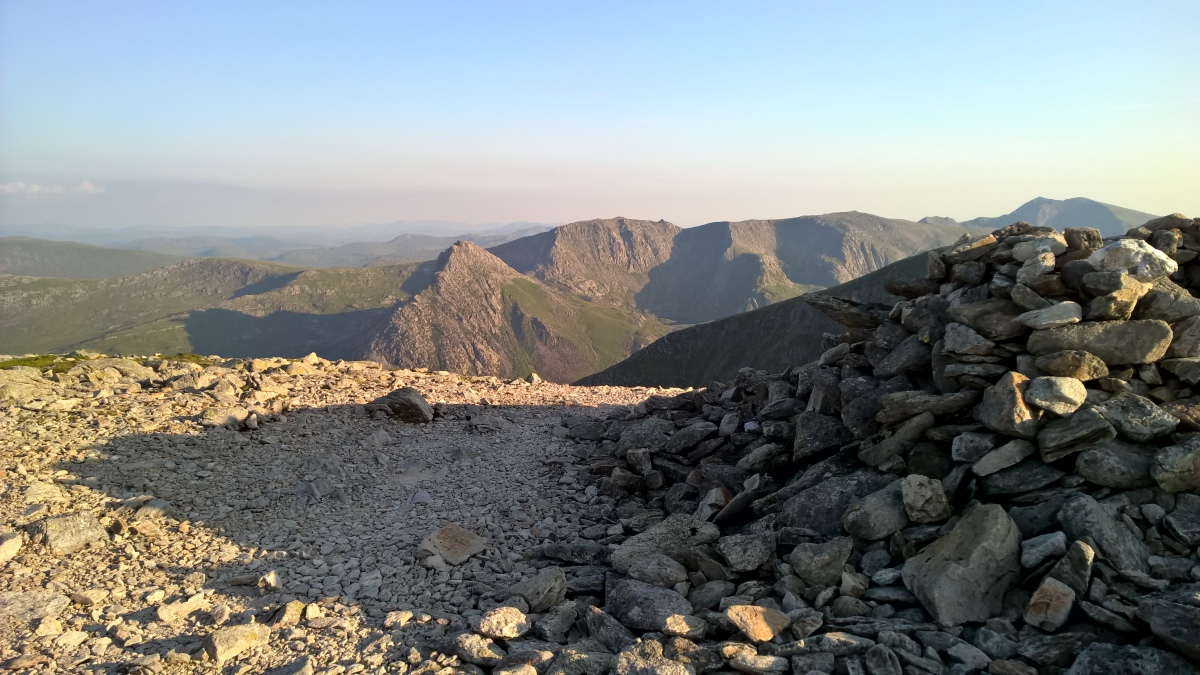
column 771, row 338
column 1063, row 213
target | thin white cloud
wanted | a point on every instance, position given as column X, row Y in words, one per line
column 87, row 187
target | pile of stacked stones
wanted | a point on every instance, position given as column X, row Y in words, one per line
column 999, row 474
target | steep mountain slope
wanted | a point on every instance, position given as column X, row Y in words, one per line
column 1063, row 213
column 714, row 270
column 771, row 338
column 26, row 256
column 602, row 259
column 481, row 316
column 723, row 268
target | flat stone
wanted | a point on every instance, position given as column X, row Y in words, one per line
column 760, row 624
column 10, row 546
column 1081, row 365
column 903, row 405
column 1032, row 474
column 690, row 436
column 995, row 319
column 1117, row 464
column 659, row 570
column 1008, row 455
column 1078, row 431
column 818, row 434
column 26, row 606
column 1036, row 550
column 821, row 507
column 1184, row 521
column 644, row 607
column 1137, row 417
column 964, row 575
column 911, row 354
column 1083, row 516
column 1061, row 314
column 69, row 532
column 226, row 643
column 1075, row 567
column 1116, row 295
column 1059, row 395
column 962, row 339
column 454, row 543
column 1187, row 370
column 1114, row 342
column 971, row 446
column 675, row 532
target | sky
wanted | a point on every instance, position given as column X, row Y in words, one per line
column 291, row 114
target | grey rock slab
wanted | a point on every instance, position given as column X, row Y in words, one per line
column 746, row 552
column 1036, row 550
column 821, row 563
column 995, row 319
column 708, row 594
column 1003, row 457
column 602, row 627
column 1117, row 464
column 1032, row 474
column 1137, row 417
column 1061, row 314
column 542, row 591
column 658, row 569
column 1083, row 516
column 1059, row 395
column 818, row 434
column 651, row 433
column 25, row 606
column 676, row 531
column 1177, row 467
column 1073, row 433
column 877, row 515
column 1114, row 342
column 226, row 643
column 1102, row 658
column 1184, row 520
column 642, row 606
column 963, row 575
column 902, row 405
column 962, row 339
column 69, row 532
column 454, row 543
column 690, row 436
column 1187, row 370
column 1175, row 624
column 971, row 446
column 822, row 506
column 911, row 354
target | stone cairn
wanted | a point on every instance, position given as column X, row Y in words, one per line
column 1000, row 474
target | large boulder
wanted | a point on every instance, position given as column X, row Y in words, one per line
column 1083, row 516
column 642, row 606
column 406, row 404
column 1114, row 342
column 964, row 575
column 677, row 531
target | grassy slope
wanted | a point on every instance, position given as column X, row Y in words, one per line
column 600, row 336
column 213, row 306
column 24, row 256
column 772, row 338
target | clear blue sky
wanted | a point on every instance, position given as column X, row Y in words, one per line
column 300, row 113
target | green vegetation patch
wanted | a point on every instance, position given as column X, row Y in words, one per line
column 188, row 357
column 52, row 361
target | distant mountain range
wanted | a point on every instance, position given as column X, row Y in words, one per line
column 1061, row 214
column 571, row 302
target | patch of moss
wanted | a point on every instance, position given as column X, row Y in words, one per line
column 52, row 361
column 188, row 357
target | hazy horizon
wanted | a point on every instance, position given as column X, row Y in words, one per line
column 277, row 115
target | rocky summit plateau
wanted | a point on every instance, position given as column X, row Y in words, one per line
column 999, row 473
